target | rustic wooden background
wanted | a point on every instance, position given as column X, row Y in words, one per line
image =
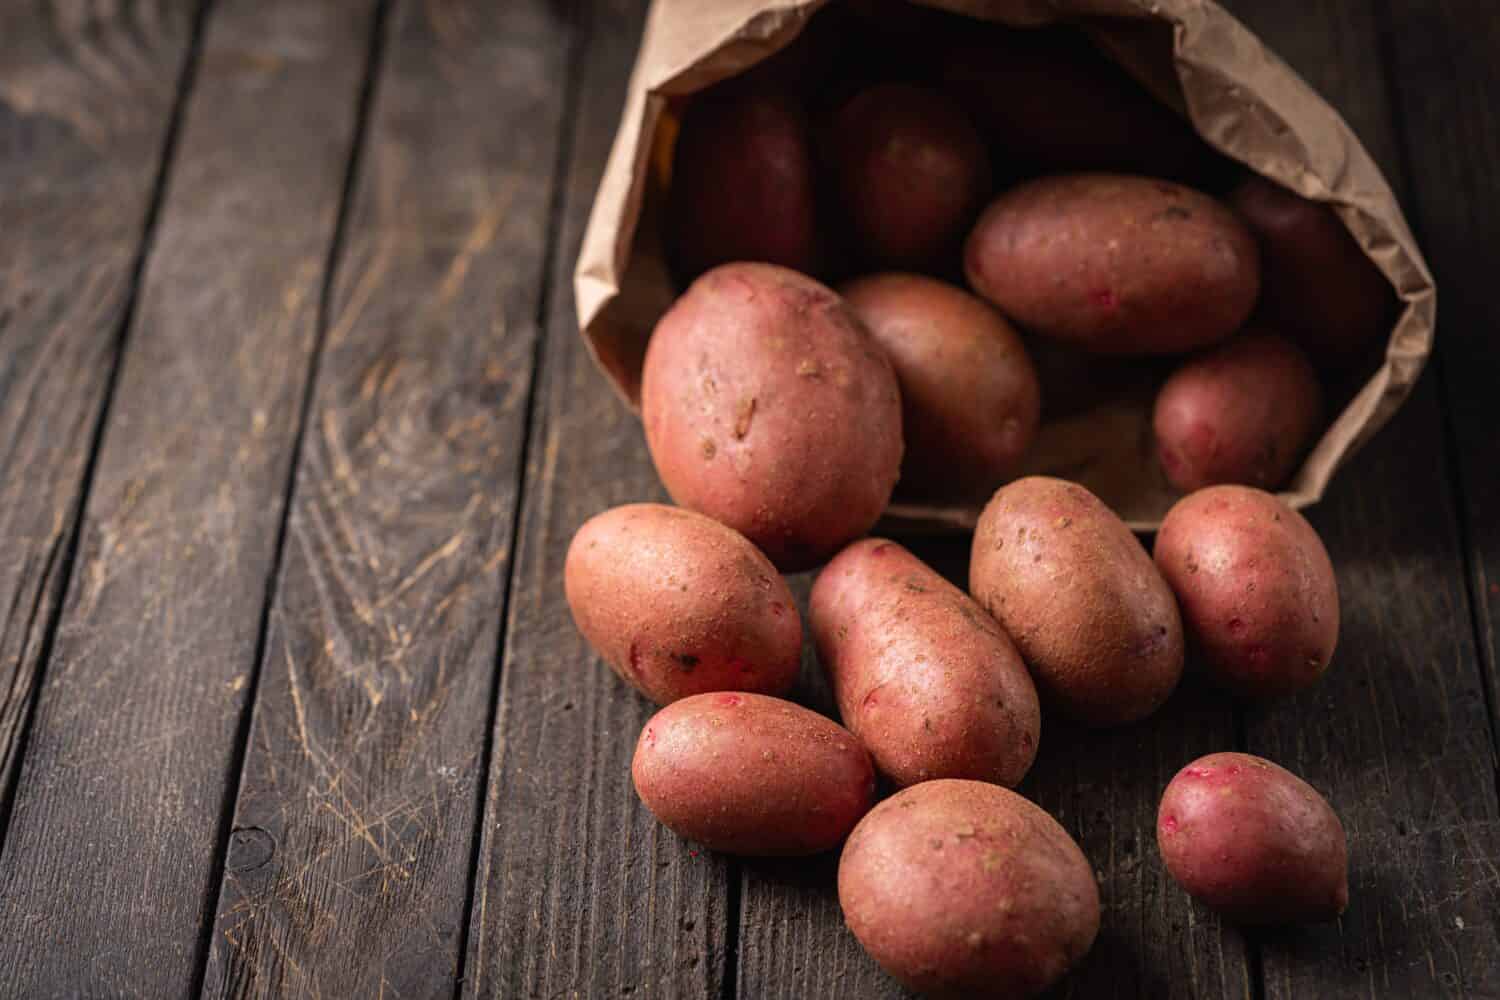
column 295, row 427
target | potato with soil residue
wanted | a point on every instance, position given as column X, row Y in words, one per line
column 769, row 407
column 923, row 676
column 970, row 403
column 1092, row 617
column 678, row 604
column 963, row 889
column 1253, row 841
column 748, row 774
column 1259, row 599
column 1243, row 412
column 1115, row 263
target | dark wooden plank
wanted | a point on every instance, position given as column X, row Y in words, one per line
column 1444, row 77
column 85, row 107
column 1397, row 734
column 579, row 892
column 350, row 858
column 107, row 873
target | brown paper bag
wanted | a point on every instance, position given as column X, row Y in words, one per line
column 1241, row 98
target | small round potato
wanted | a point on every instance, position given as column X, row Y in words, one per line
column 964, row 890
column 742, row 184
column 1253, row 841
column 1243, row 412
column 678, row 604
column 769, row 407
column 923, row 676
column 1115, row 263
column 1317, row 284
column 1258, row 596
column 748, row 774
column 911, row 171
column 970, row 403
column 1092, row 617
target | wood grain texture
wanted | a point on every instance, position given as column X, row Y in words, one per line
column 86, row 99
column 106, row 874
column 350, row 857
column 1444, row 77
column 580, row 892
column 1396, row 735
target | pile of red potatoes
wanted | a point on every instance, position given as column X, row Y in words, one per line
column 870, row 258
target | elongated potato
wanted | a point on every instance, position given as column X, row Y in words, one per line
column 1115, row 263
column 964, row 890
column 923, row 676
column 1318, row 285
column 748, row 774
column 1257, row 591
column 1245, row 412
column 970, row 403
column 769, row 407
column 1092, row 617
column 742, row 184
column 678, row 604
column 911, row 172
column 1253, row 841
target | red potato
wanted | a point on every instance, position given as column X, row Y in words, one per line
column 964, row 890
column 678, row 604
column 1317, row 284
column 910, row 170
column 1115, row 263
column 1244, row 412
column 742, row 184
column 769, row 407
column 923, row 676
column 1253, row 841
column 1051, row 101
column 970, row 403
column 1259, row 599
column 1091, row 615
column 748, row 774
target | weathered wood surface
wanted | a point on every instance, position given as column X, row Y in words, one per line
column 351, row 854
column 579, row 892
column 403, row 816
column 1397, row 734
column 108, row 867
column 1444, row 76
column 86, row 103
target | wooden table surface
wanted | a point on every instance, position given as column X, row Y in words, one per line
column 295, row 427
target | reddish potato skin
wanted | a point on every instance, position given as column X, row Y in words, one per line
column 911, row 171
column 768, row 407
column 678, row 604
column 1243, row 412
column 748, row 774
column 1115, row 263
column 1257, row 591
column 1317, row 284
column 743, row 184
column 923, row 676
column 1092, row 617
column 1253, row 841
column 1051, row 102
column 970, row 402
column 962, row 889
